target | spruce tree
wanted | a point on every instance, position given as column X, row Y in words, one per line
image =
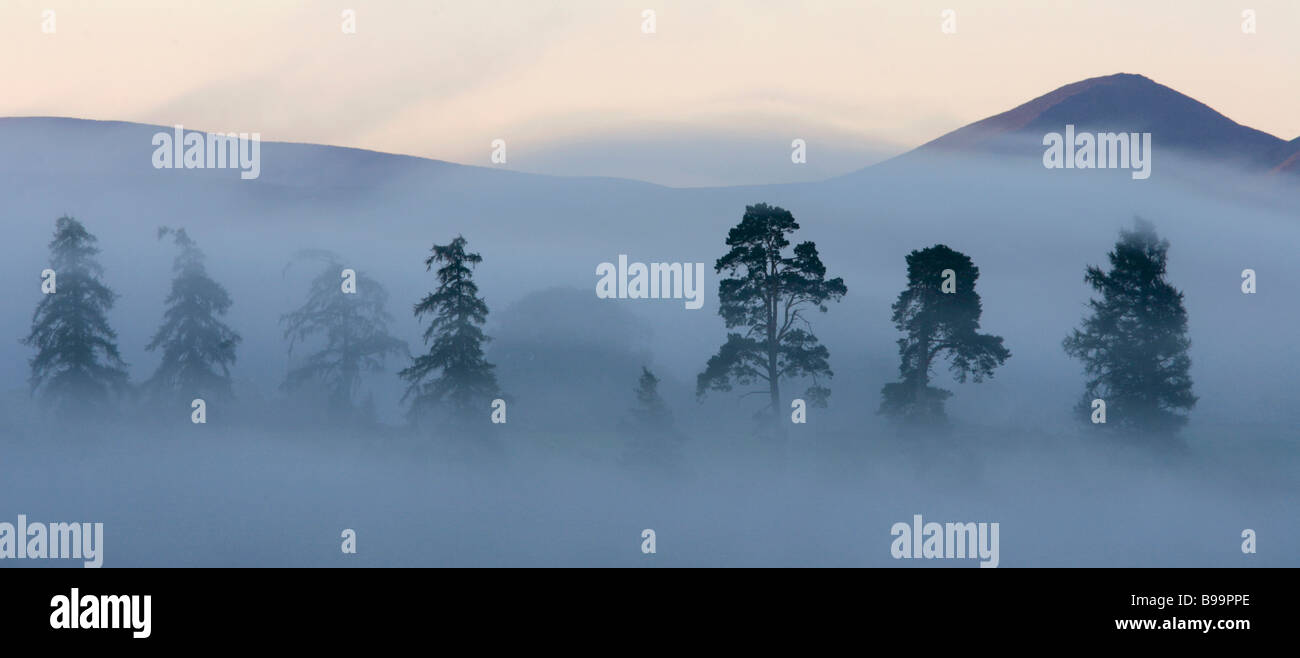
column 939, row 315
column 453, row 375
column 197, row 347
column 77, row 368
column 350, row 330
column 1134, row 345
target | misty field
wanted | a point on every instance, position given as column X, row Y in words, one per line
column 247, row 498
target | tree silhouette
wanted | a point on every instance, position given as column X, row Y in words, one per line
column 453, row 373
column 352, row 329
column 766, row 294
column 1134, row 345
column 651, row 412
column 77, row 366
column 197, row 348
column 651, row 441
column 939, row 315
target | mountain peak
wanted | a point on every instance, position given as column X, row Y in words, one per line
column 1121, row 102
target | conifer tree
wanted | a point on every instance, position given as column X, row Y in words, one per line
column 651, row 411
column 766, row 294
column 939, row 315
column 350, row 329
column 650, row 439
column 453, row 374
column 1134, row 345
column 77, row 368
column 197, row 347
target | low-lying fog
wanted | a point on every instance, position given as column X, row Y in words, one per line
column 266, row 483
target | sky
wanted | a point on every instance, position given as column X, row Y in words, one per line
column 714, row 95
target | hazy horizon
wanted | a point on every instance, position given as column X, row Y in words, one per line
column 578, row 88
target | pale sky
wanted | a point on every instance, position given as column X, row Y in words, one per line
column 576, row 87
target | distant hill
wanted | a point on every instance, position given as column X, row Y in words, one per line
column 1292, row 163
column 1123, row 102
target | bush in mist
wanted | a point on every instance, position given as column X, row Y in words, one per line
column 939, row 315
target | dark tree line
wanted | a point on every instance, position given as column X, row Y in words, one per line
column 1133, row 345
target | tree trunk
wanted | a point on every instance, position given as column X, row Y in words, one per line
column 773, row 382
column 924, row 365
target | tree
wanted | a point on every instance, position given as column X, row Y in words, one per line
column 939, row 315
column 1134, row 345
column 453, row 373
column 77, row 366
column 197, row 347
column 651, row 439
column 651, row 411
column 766, row 294
column 353, row 327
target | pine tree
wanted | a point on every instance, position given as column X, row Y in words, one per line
column 939, row 315
column 1134, row 345
column 197, row 347
column 77, row 367
column 651, row 440
column 766, row 294
column 453, row 374
column 651, row 411
column 353, row 327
